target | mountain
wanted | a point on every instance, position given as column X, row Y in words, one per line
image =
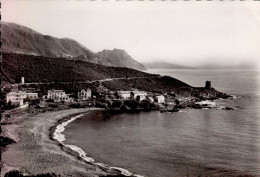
column 164, row 65
column 120, row 58
column 20, row 39
column 60, row 73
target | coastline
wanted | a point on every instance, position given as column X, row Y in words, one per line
column 40, row 135
column 35, row 153
column 56, row 135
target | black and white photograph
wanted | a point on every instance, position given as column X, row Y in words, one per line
column 130, row 88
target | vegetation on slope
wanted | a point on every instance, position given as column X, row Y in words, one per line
column 46, row 69
column 59, row 72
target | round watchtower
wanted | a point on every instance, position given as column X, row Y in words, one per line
column 208, row 85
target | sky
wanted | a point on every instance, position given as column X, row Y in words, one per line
column 180, row 32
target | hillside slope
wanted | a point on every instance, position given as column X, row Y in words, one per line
column 63, row 72
column 20, row 39
column 121, row 58
column 46, row 73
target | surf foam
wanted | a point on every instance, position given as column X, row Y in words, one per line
column 57, row 135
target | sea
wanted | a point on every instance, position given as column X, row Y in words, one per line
column 207, row 142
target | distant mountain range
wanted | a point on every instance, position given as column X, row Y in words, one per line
column 164, row 65
column 20, row 39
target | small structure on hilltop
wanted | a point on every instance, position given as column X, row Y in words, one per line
column 160, row 99
column 138, row 95
column 208, row 85
column 124, row 94
column 84, row 94
column 22, row 80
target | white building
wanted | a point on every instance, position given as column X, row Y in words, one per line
column 124, row 94
column 84, row 95
column 52, row 94
column 150, row 99
column 16, row 98
column 32, row 96
column 160, row 99
column 63, row 99
column 138, row 95
column 58, row 96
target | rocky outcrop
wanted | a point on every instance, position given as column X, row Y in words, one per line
column 121, row 58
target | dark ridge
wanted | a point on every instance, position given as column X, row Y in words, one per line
column 59, row 73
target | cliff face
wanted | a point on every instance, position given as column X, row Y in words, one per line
column 23, row 40
column 120, row 58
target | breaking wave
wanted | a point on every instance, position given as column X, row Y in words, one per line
column 58, row 136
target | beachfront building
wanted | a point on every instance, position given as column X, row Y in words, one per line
column 124, row 94
column 52, row 94
column 159, row 99
column 138, row 95
column 84, row 94
column 15, row 98
column 32, row 96
column 65, row 99
column 150, row 99
column 58, row 96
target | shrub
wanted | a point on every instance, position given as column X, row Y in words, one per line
column 53, row 105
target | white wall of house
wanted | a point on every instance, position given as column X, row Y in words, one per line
column 150, row 99
column 52, row 94
column 160, row 99
column 141, row 94
column 124, row 94
column 16, row 98
column 32, row 96
column 64, row 99
column 141, row 97
column 84, row 95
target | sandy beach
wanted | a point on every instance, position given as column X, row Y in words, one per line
column 36, row 153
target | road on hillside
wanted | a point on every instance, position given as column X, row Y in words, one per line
column 89, row 82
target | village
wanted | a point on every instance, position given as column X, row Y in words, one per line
column 22, row 98
column 28, row 98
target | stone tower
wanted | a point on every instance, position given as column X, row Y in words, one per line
column 208, row 85
column 22, row 80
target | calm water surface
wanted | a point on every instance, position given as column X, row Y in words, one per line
column 198, row 142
